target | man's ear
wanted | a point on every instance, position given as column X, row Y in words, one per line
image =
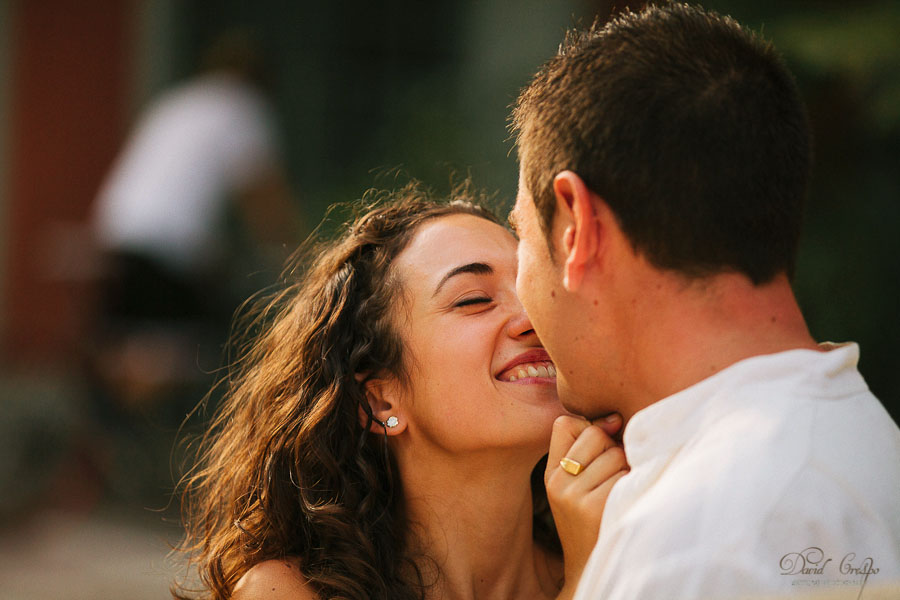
column 383, row 397
column 581, row 235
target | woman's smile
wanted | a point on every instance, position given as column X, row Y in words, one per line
column 533, row 366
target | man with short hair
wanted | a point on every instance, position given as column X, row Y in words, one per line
column 664, row 165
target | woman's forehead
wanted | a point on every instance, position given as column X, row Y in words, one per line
column 446, row 242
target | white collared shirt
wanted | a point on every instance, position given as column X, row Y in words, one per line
column 747, row 483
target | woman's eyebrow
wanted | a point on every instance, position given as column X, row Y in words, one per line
column 475, row 268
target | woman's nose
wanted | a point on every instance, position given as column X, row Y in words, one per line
column 519, row 325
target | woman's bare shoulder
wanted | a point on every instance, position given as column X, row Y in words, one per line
column 274, row 580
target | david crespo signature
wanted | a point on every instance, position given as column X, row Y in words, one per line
column 812, row 561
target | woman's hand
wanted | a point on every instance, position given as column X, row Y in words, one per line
column 577, row 501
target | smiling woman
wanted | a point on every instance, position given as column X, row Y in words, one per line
column 380, row 438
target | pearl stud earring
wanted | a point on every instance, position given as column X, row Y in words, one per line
column 392, row 421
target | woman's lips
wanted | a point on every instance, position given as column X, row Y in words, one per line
column 534, row 370
column 534, row 364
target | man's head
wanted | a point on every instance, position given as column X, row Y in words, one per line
column 689, row 127
column 688, row 137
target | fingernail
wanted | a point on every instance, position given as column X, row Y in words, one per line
column 612, row 418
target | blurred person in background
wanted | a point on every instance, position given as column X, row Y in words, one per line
column 203, row 157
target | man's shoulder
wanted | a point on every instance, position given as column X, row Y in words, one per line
column 787, row 427
column 763, row 473
column 766, row 455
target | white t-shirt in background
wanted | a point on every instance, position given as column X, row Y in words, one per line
column 194, row 147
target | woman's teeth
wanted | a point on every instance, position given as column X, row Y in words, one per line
column 531, row 370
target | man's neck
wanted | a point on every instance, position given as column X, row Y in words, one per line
column 685, row 332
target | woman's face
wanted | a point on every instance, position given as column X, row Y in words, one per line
column 479, row 377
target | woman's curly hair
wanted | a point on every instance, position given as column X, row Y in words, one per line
column 287, row 469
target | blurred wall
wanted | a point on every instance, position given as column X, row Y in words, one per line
column 68, row 74
column 5, row 93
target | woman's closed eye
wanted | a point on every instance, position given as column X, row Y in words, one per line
column 472, row 301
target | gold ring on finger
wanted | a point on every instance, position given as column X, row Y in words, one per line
column 570, row 466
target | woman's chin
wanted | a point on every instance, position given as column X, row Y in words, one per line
column 533, row 391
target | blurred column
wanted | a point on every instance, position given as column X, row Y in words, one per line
column 5, row 92
column 68, row 94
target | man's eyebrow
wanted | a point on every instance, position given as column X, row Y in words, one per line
column 475, row 268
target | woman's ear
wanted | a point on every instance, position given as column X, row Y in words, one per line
column 383, row 397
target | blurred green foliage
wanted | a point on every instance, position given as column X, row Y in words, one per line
column 846, row 57
column 366, row 87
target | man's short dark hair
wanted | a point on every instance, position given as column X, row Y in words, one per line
column 688, row 126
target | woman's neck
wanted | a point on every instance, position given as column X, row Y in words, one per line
column 471, row 519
